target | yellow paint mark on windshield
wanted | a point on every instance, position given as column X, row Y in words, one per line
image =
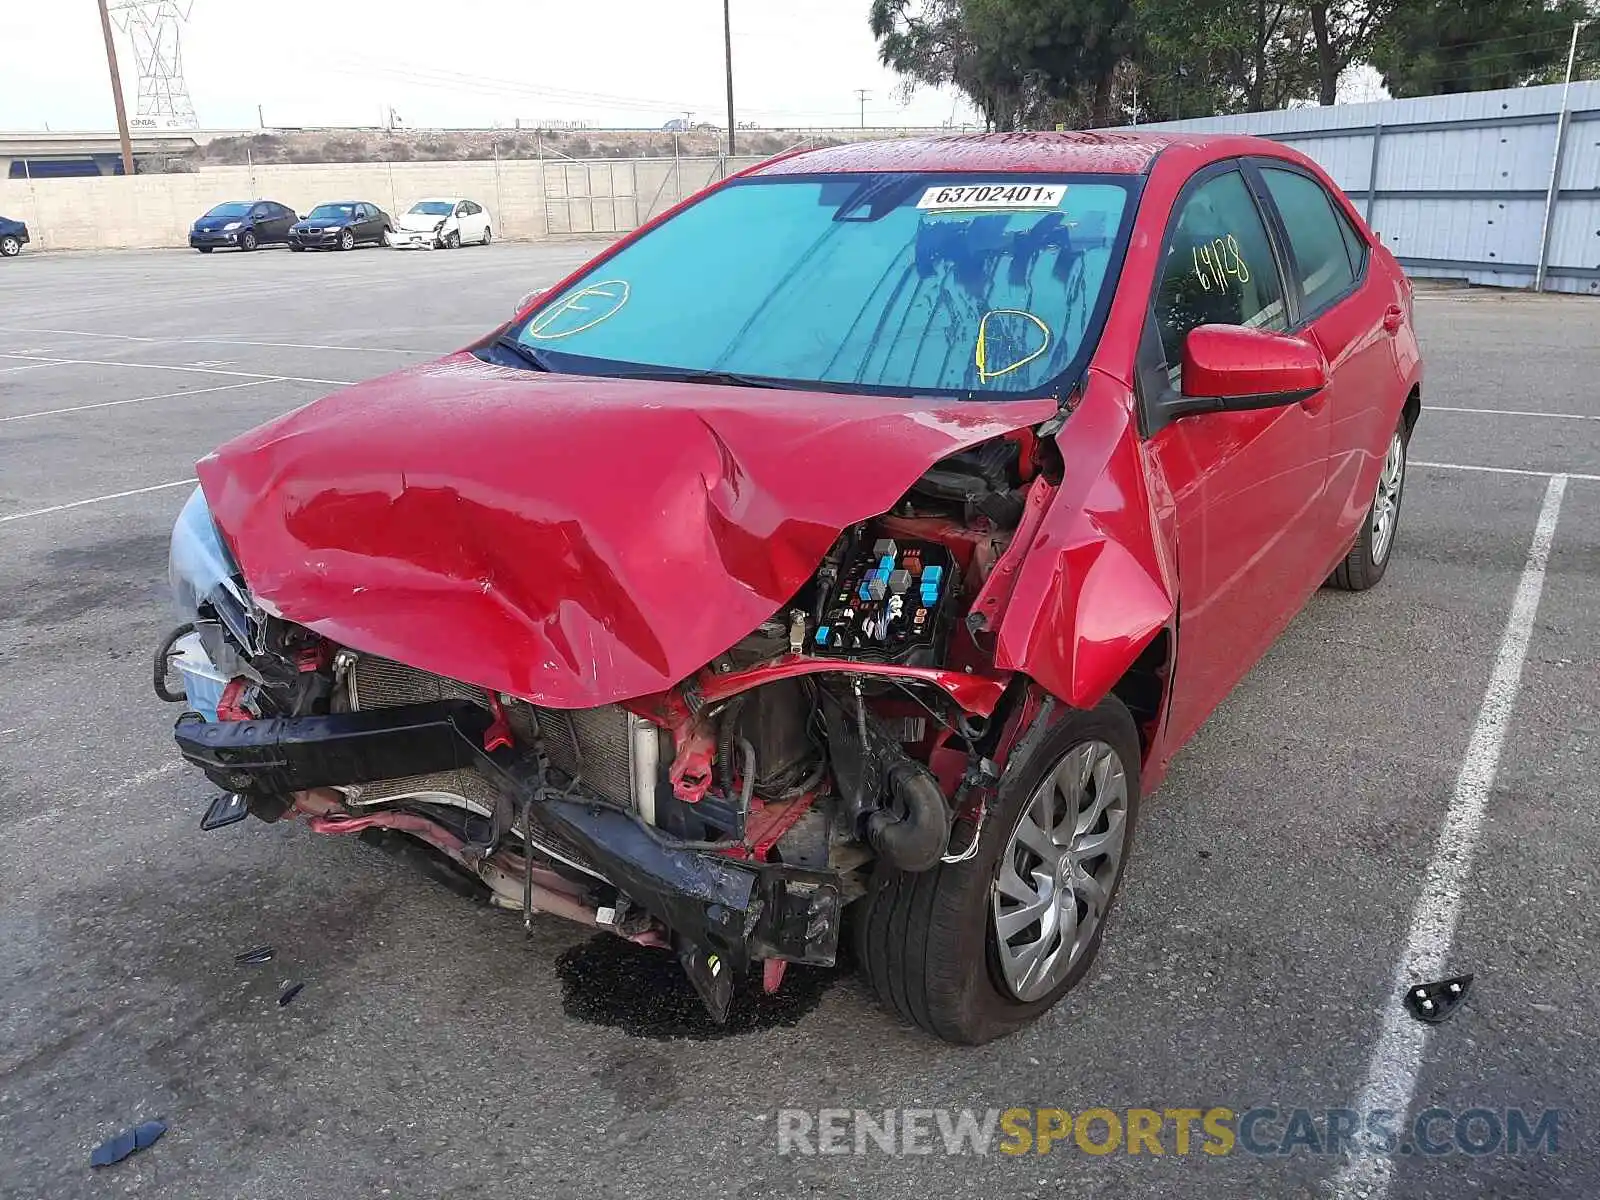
column 592, row 304
column 982, row 348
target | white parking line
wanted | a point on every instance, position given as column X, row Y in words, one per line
column 53, row 412
column 1397, row 1058
column 1514, row 412
column 55, row 508
column 1569, row 475
column 33, row 366
column 102, row 362
column 212, row 341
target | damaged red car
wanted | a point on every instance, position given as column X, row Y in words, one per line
column 844, row 554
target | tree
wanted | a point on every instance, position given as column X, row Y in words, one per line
column 1201, row 58
column 1343, row 32
column 933, row 42
column 1429, row 47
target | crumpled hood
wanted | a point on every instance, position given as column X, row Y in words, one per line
column 569, row 540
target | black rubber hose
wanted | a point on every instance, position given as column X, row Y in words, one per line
column 918, row 840
column 162, row 664
column 727, row 729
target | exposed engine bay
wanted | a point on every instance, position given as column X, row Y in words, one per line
column 730, row 818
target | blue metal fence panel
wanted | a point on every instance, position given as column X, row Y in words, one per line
column 1456, row 185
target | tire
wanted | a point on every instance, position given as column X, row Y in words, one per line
column 205, row 249
column 452, row 240
column 383, row 236
column 247, row 240
column 347, row 240
column 929, row 943
column 1369, row 557
column 10, row 246
column 297, row 247
column 488, row 235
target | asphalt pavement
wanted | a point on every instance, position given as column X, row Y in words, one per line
column 1289, row 862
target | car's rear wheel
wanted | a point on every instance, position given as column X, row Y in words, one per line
column 247, row 240
column 10, row 246
column 347, row 240
column 975, row 950
column 488, row 235
column 383, row 236
column 1369, row 557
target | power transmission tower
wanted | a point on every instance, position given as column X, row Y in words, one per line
column 154, row 28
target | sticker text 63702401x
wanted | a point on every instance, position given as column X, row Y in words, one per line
column 993, row 195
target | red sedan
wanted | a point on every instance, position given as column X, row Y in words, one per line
column 850, row 549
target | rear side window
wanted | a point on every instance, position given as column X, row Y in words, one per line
column 1218, row 268
column 1317, row 236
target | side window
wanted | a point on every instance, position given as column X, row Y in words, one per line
column 1218, row 268
column 472, row 209
column 1321, row 251
column 462, row 209
column 260, row 211
column 364, row 211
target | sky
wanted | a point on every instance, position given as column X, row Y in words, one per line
column 471, row 63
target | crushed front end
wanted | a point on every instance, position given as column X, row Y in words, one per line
column 729, row 818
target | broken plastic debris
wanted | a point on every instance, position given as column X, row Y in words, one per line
column 259, row 954
column 1435, row 1002
column 289, row 993
column 114, row 1150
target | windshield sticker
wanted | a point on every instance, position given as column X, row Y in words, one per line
column 1004, row 337
column 1218, row 261
column 967, row 196
column 582, row 309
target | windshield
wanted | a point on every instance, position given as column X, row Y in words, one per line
column 332, row 212
column 433, row 208
column 229, row 210
column 901, row 282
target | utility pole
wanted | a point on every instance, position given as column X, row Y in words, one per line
column 727, row 49
column 861, row 95
column 1555, row 163
column 116, row 91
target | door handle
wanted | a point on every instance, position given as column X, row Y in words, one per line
column 1394, row 317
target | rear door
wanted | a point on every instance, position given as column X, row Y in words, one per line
column 1353, row 323
column 1247, row 487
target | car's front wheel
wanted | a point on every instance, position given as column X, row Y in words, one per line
column 974, row 950
column 247, row 240
column 1374, row 545
column 347, row 240
column 452, row 240
column 205, row 249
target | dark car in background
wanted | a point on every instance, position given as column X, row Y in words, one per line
column 13, row 237
column 242, row 225
column 341, row 225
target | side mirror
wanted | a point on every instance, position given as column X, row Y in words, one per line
column 522, row 305
column 1232, row 368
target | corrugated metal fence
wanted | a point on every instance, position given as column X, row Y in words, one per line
column 1495, row 187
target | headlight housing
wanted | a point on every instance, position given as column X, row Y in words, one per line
column 440, row 225
column 231, row 226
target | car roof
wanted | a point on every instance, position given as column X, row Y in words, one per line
column 439, row 200
column 1112, row 152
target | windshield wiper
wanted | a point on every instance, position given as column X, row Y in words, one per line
column 527, row 354
column 727, row 378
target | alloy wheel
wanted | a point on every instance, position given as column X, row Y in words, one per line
column 1053, row 883
column 1386, row 504
column 10, row 246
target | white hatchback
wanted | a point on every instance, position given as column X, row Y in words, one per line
column 441, row 223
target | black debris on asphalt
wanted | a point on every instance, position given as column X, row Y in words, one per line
column 140, row 1137
column 1436, row 1002
column 255, row 956
column 289, row 993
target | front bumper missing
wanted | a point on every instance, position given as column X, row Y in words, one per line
column 736, row 910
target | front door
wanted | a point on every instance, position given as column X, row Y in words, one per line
column 1247, row 487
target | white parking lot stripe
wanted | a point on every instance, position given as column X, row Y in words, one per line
column 1514, row 412
column 55, row 508
column 1392, row 1071
column 211, row 341
column 33, row 366
column 53, row 412
column 1568, row 475
column 101, row 362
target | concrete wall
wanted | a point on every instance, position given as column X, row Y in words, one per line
column 1457, row 186
column 527, row 199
